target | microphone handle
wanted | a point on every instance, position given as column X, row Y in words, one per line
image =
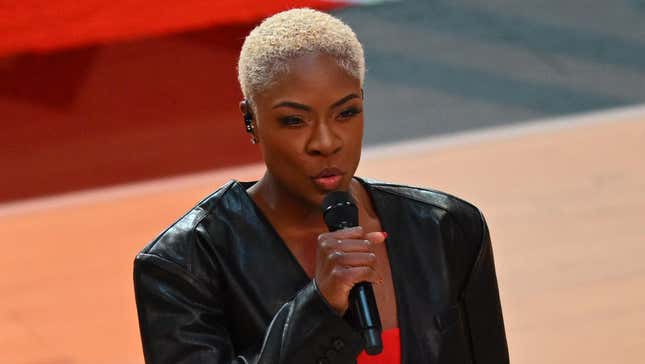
column 363, row 303
column 340, row 212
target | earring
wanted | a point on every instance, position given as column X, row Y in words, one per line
column 248, row 124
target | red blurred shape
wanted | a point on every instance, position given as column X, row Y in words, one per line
column 43, row 25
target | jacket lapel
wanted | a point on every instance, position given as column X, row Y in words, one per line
column 410, row 245
column 275, row 282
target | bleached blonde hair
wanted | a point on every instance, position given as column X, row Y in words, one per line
column 290, row 34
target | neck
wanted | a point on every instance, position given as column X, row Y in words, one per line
column 282, row 207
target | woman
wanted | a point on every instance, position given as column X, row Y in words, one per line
column 251, row 274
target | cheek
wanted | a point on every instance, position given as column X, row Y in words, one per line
column 280, row 150
column 354, row 136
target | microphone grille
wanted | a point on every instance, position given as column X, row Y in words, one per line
column 336, row 198
column 339, row 210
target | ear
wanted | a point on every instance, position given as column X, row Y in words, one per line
column 244, row 107
column 247, row 111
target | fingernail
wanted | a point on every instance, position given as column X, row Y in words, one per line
column 384, row 235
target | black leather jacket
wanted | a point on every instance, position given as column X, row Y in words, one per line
column 220, row 286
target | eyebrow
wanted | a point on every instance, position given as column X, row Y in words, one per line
column 298, row 106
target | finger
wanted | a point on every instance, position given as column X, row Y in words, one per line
column 354, row 245
column 355, row 259
column 347, row 233
column 331, row 252
column 376, row 237
column 349, row 245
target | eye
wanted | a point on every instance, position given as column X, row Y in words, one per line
column 291, row 121
column 349, row 113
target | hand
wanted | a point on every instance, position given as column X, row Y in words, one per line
column 344, row 258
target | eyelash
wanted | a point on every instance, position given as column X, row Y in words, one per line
column 291, row 121
column 296, row 121
column 352, row 111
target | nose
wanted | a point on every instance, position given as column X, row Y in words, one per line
column 324, row 140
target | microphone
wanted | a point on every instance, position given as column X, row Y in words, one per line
column 340, row 212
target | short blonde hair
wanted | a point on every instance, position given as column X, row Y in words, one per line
column 290, row 34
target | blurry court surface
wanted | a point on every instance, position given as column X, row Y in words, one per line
column 564, row 200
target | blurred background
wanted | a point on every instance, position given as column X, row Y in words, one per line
column 116, row 117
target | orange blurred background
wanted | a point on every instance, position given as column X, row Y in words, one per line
column 116, row 117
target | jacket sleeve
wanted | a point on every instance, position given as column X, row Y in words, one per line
column 183, row 319
column 482, row 307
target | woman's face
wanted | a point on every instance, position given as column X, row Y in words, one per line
column 309, row 125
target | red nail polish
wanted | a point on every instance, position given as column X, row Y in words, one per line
column 384, row 234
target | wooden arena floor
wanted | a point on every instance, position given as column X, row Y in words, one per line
column 565, row 205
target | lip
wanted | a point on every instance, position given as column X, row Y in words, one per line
column 328, row 179
column 327, row 172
